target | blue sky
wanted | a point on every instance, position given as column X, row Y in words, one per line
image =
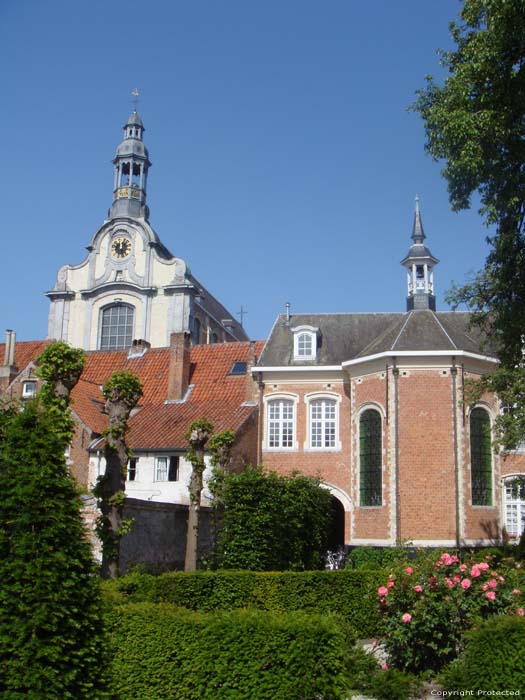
column 285, row 162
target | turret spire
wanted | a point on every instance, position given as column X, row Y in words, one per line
column 419, row 264
column 131, row 172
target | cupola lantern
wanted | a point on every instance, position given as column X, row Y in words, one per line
column 419, row 264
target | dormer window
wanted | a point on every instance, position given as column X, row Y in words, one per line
column 304, row 343
column 28, row 390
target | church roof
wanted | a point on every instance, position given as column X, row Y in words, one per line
column 343, row 337
column 216, row 394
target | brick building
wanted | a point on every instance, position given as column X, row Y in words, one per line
column 374, row 404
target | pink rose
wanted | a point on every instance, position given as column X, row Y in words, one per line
column 492, row 583
column 390, row 584
column 520, row 612
column 490, row 595
column 450, row 584
column 382, row 591
column 516, row 591
column 463, row 567
column 374, row 643
column 384, row 667
column 456, row 578
column 502, row 579
column 446, row 559
column 483, row 566
column 485, row 587
column 406, row 618
column 466, row 583
column 475, row 571
column 418, row 589
column 409, row 570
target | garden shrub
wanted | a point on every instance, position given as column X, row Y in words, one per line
column 427, row 607
column 350, row 594
column 161, row 652
column 494, row 658
column 272, row 522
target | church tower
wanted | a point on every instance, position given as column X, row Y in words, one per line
column 130, row 287
column 419, row 264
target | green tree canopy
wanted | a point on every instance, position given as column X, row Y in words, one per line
column 273, row 522
column 475, row 122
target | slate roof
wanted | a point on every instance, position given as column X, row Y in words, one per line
column 216, row 394
column 343, row 337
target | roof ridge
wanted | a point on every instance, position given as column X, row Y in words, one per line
column 401, row 330
column 444, row 331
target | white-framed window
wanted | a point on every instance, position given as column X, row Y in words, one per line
column 304, row 343
column 28, row 389
column 116, row 327
column 323, row 422
column 167, row 468
column 514, row 506
column 132, row 468
column 280, row 423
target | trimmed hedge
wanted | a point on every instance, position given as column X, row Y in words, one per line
column 162, row 652
column 494, row 658
column 350, row 594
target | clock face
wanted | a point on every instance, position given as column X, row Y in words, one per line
column 121, row 248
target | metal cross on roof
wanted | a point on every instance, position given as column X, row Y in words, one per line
column 135, row 100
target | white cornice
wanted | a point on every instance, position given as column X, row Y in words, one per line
column 310, row 368
column 420, row 353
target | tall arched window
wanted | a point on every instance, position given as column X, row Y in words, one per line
column 116, row 327
column 370, row 458
column 196, row 331
column 480, row 457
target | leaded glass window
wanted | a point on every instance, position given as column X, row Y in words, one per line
column 116, row 327
column 370, row 458
column 515, row 507
column 480, row 458
column 280, row 423
column 322, row 423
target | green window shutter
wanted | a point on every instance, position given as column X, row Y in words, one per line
column 480, row 457
column 370, row 458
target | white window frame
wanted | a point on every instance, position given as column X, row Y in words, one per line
column 269, row 399
column 518, row 503
column 26, row 394
column 309, row 399
column 167, row 459
column 300, row 332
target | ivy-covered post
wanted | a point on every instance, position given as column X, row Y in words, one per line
column 122, row 393
column 220, row 449
column 198, row 435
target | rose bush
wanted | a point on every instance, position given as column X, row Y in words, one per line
column 426, row 608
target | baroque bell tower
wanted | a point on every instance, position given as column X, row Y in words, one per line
column 131, row 173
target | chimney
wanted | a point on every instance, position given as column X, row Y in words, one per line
column 8, row 371
column 179, row 368
column 138, row 348
column 250, row 392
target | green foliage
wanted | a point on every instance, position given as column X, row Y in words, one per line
column 350, row 594
column 273, row 522
column 161, row 652
column 428, row 607
column 475, row 123
column 391, row 684
column 494, row 658
column 51, row 635
column 376, row 557
column 219, row 447
column 124, row 387
column 60, row 366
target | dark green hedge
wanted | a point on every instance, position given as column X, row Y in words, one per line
column 350, row 594
column 162, row 652
column 494, row 658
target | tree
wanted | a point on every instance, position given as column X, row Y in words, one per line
column 475, row 121
column 51, row 634
column 122, row 393
column 198, row 435
column 273, row 522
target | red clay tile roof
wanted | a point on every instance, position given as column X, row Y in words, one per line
column 26, row 351
column 216, row 395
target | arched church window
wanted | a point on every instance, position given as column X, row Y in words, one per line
column 116, row 327
column 196, row 331
column 370, row 458
column 480, row 457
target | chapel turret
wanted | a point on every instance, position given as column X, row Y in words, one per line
column 419, row 264
column 131, row 172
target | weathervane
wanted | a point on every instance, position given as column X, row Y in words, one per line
column 135, row 100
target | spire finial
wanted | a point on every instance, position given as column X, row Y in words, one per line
column 135, row 99
column 417, row 204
